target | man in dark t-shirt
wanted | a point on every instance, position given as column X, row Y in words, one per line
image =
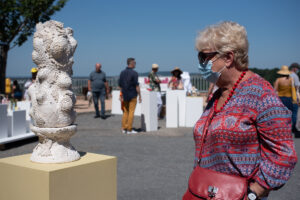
column 130, row 88
column 98, row 85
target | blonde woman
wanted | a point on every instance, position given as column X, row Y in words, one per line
column 245, row 130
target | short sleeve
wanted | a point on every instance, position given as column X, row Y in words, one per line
column 278, row 155
column 297, row 83
column 91, row 76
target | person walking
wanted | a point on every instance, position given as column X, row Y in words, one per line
column 154, row 84
column 129, row 85
column 294, row 69
column 97, row 83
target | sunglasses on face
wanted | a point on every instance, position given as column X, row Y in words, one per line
column 206, row 56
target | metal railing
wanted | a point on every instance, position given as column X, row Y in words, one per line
column 80, row 83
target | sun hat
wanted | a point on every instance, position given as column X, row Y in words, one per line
column 33, row 70
column 176, row 69
column 155, row 66
column 284, row 70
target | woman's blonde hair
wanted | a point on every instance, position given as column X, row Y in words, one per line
column 225, row 37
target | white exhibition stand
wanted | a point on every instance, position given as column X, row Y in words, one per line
column 182, row 111
column 149, row 111
column 3, row 121
column 14, row 125
column 193, row 110
column 172, row 109
column 116, row 105
column 181, row 95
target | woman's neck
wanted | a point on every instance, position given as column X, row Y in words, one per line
column 230, row 77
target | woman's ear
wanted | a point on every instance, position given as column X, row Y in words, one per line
column 229, row 58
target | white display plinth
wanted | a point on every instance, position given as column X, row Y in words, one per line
column 17, row 123
column 116, row 105
column 26, row 105
column 13, row 125
column 171, row 109
column 149, row 111
column 3, row 121
column 181, row 95
column 193, row 110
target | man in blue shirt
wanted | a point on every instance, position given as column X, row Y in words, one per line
column 98, row 85
column 130, row 88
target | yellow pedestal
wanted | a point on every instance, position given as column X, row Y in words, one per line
column 93, row 177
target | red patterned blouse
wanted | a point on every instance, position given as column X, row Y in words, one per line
column 252, row 130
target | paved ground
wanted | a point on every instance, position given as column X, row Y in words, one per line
column 151, row 166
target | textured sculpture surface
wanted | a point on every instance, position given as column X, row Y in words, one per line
column 51, row 95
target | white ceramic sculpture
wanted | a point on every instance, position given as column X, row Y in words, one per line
column 51, row 96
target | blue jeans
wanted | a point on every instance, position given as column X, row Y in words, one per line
column 294, row 114
column 96, row 96
column 287, row 101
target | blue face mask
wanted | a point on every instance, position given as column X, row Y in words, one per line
column 207, row 73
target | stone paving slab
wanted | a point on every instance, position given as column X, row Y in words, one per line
column 151, row 166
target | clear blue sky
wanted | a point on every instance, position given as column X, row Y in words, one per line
column 164, row 31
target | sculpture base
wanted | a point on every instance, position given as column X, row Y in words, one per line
column 54, row 146
column 93, row 177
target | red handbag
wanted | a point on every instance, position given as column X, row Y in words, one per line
column 208, row 184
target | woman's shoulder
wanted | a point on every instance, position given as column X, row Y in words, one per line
column 258, row 84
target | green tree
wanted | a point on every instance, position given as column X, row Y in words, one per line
column 17, row 22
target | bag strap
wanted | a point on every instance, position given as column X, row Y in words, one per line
column 205, row 130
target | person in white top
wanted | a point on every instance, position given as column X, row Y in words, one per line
column 29, row 83
column 294, row 69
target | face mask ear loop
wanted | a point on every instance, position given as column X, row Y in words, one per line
column 222, row 69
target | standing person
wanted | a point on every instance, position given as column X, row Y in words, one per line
column 29, row 83
column 130, row 89
column 294, row 69
column 8, row 89
column 176, row 83
column 99, row 87
column 154, row 85
column 283, row 87
column 243, row 141
column 16, row 91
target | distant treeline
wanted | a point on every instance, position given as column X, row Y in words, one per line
column 268, row 74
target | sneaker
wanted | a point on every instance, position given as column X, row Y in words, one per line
column 132, row 132
column 124, row 131
column 96, row 116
